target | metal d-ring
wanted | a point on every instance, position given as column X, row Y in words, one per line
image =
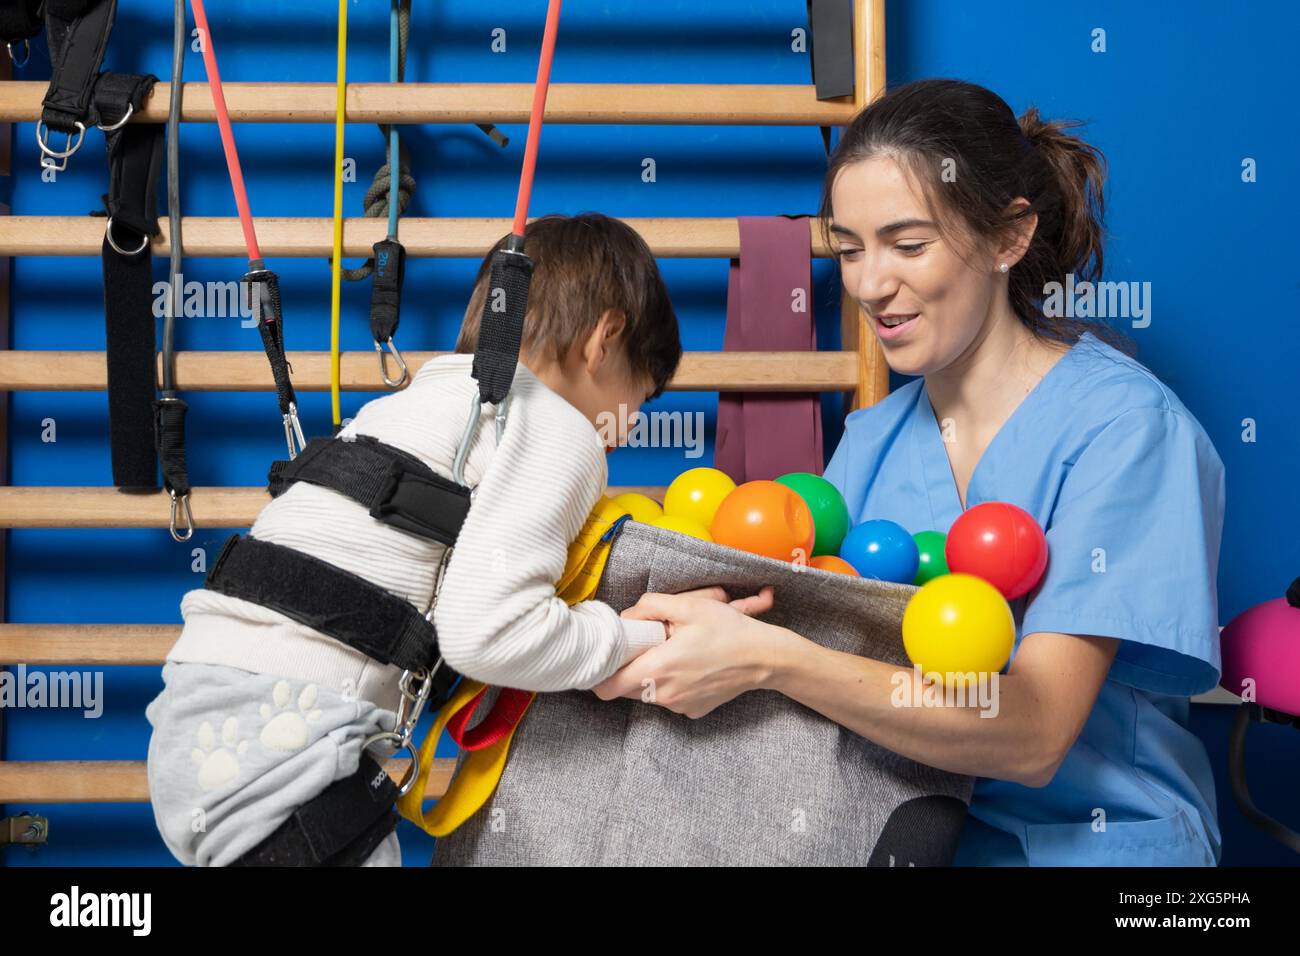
column 130, row 108
column 108, row 236
column 27, row 53
column 406, row 744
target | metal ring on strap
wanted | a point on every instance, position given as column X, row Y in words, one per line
column 53, row 154
column 130, row 108
column 108, row 235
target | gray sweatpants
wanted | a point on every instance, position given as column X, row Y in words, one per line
column 234, row 753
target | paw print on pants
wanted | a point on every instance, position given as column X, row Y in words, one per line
column 288, row 730
column 218, row 765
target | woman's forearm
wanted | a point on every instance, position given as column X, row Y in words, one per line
column 886, row 704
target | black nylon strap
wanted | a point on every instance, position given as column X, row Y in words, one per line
column 20, row 20
column 128, row 316
column 394, row 486
column 77, row 31
column 341, row 826
column 502, row 325
column 263, row 287
column 386, row 290
column 134, row 160
column 336, row 602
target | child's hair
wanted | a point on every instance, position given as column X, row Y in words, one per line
column 971, row 157
column 583, row 265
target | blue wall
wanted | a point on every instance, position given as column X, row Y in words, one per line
column 1184, row 92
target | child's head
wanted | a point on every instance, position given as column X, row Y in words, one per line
column 600, row 330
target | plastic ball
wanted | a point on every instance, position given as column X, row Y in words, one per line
column 829, row 562
column 958, row 624
column 931, row 562
column 881, row 549
column 682, row 525
column 641, row 507
column 697, row 493
column 1000, row 543
column 765, row 518
column 830, row 513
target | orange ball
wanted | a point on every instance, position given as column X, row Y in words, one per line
column 829, row 562
column 767, row 518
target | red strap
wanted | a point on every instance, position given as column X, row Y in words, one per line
column 505, row 714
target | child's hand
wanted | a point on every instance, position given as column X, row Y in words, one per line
column 752, row 606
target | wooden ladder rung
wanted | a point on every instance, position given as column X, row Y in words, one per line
column 313, row 237
column 125, row 781
column 248, row 371
column 100, row 507
column 688, row 104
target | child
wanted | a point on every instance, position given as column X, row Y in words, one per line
column 260, row 713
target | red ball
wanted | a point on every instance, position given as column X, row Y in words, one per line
column 1000, row 543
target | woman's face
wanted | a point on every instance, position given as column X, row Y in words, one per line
column 896, row 265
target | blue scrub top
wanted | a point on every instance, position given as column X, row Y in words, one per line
column 1130, row 492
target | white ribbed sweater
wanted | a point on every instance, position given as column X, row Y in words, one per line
column 498, row 618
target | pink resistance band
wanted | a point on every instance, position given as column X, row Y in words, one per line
column 763, row 435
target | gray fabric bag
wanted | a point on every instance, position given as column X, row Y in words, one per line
column 761, row 780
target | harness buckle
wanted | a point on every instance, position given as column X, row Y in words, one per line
column 189, row 517
column 383, row 363
column 49, row 156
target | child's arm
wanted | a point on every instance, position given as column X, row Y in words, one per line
column 498, row 617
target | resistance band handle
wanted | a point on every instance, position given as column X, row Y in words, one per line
column 386, row 290
column 501, row 326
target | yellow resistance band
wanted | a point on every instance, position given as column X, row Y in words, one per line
column 477, row 776
column 336, row 265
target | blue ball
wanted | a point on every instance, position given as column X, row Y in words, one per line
column 881, row 549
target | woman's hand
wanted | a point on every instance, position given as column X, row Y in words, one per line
column 715, row 651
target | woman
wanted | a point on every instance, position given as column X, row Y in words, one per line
column 951, row 218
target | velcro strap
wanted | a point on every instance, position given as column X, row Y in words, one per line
column 129, row 333
column 335, row 602
column 134, row 158
column 341, row 826
column 386, row 289
column 502, row 325
column 77, row 31
column 393, row 486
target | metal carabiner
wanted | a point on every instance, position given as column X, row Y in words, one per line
column 189, row 517
column 383, row 363
column 471, row 428
column 27, row 54
column 130, row 108
column 293, row 429
column 49, row 155
column 108, row 236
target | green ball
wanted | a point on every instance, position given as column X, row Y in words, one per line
column 830, row 513
column 932, row 563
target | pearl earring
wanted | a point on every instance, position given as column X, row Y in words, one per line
column 1004, row 267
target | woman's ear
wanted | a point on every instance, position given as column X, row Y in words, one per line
column 1018, row 236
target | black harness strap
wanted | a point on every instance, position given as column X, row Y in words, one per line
column 339, row 827
column 134, row 159
column 336, row 602
column 386, row 290
column 77, row 31
column 394, row 486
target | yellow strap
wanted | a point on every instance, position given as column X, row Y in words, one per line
column 478, row 775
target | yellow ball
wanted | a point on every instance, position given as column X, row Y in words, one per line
column 697, row 493
column 683, row 525
column 957, row 624
column 639, row 506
